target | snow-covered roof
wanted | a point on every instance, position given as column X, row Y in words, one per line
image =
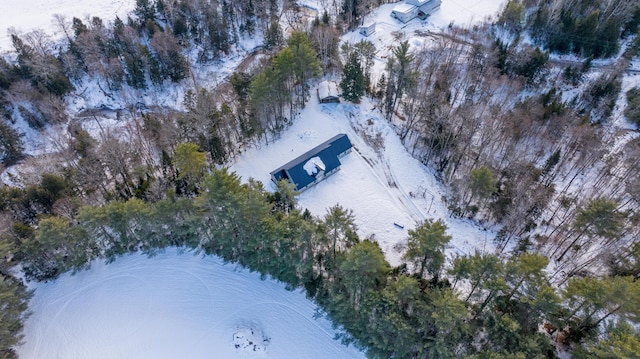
column 314, row 165
column 417, row 2
column 404, row 8
column 327, row 89
column 430, row 6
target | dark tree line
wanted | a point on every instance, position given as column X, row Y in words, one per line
column 591, row 29
column 480, row 304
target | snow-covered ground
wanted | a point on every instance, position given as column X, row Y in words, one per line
column 175, row 306
column 29, row 15
column 383, row 185
column 183, row 306
column 379, row 181
column 390, row 31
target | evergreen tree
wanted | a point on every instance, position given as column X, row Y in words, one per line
column 284, row 198
column 426, row 245
column 600, row 218
column 14, row 301
column 525, row 274
column 391, row 332
column 622, row 341
column 483, row 184
column 400, row 76
column 340, row 228
column 364, row 268
column 304, row 63
column 593, row 300
column 352, row 83
column 10, row 145
column 632, row 111
column 135, row 74
column 189, row 161
column 485, row 276
column 512, row 16
column 144, row 10
column 56, row 248
column 273, row 36
column 191, row 165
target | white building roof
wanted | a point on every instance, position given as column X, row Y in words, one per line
column 404, row 8
column 327, row 89
column 417, row 2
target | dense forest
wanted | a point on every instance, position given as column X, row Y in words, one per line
column 485, row 107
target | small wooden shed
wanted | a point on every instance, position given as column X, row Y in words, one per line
column 328, row 92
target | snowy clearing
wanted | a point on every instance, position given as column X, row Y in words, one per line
column 175, row 306
column 378, row 180
column 29, row 15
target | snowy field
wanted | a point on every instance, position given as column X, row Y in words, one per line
column 175, row 306
column 28, row 15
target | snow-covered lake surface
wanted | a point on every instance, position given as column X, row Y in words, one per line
column 175, row 306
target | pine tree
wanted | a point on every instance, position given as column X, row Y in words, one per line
column 10, row 145
column 600, row 218
column 592, row 300
column 483, row 184
column 304, row 65
column 284, row 198
column 341, row 229
column 191, row 164
column 426, row 245
column 14, row 301
column 56, row 248
column 400, row 78
column 363, row 269
column 352, row 83
column 273, row 36
column 485, row 275
column 622, row 341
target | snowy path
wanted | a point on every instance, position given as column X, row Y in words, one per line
column 174, row 306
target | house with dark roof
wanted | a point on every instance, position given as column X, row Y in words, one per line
column 314, row 165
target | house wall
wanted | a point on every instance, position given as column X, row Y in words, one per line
column 368, row 30
column 330, row 99
column 431, row 6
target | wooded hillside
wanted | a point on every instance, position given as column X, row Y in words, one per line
column 524, row 140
